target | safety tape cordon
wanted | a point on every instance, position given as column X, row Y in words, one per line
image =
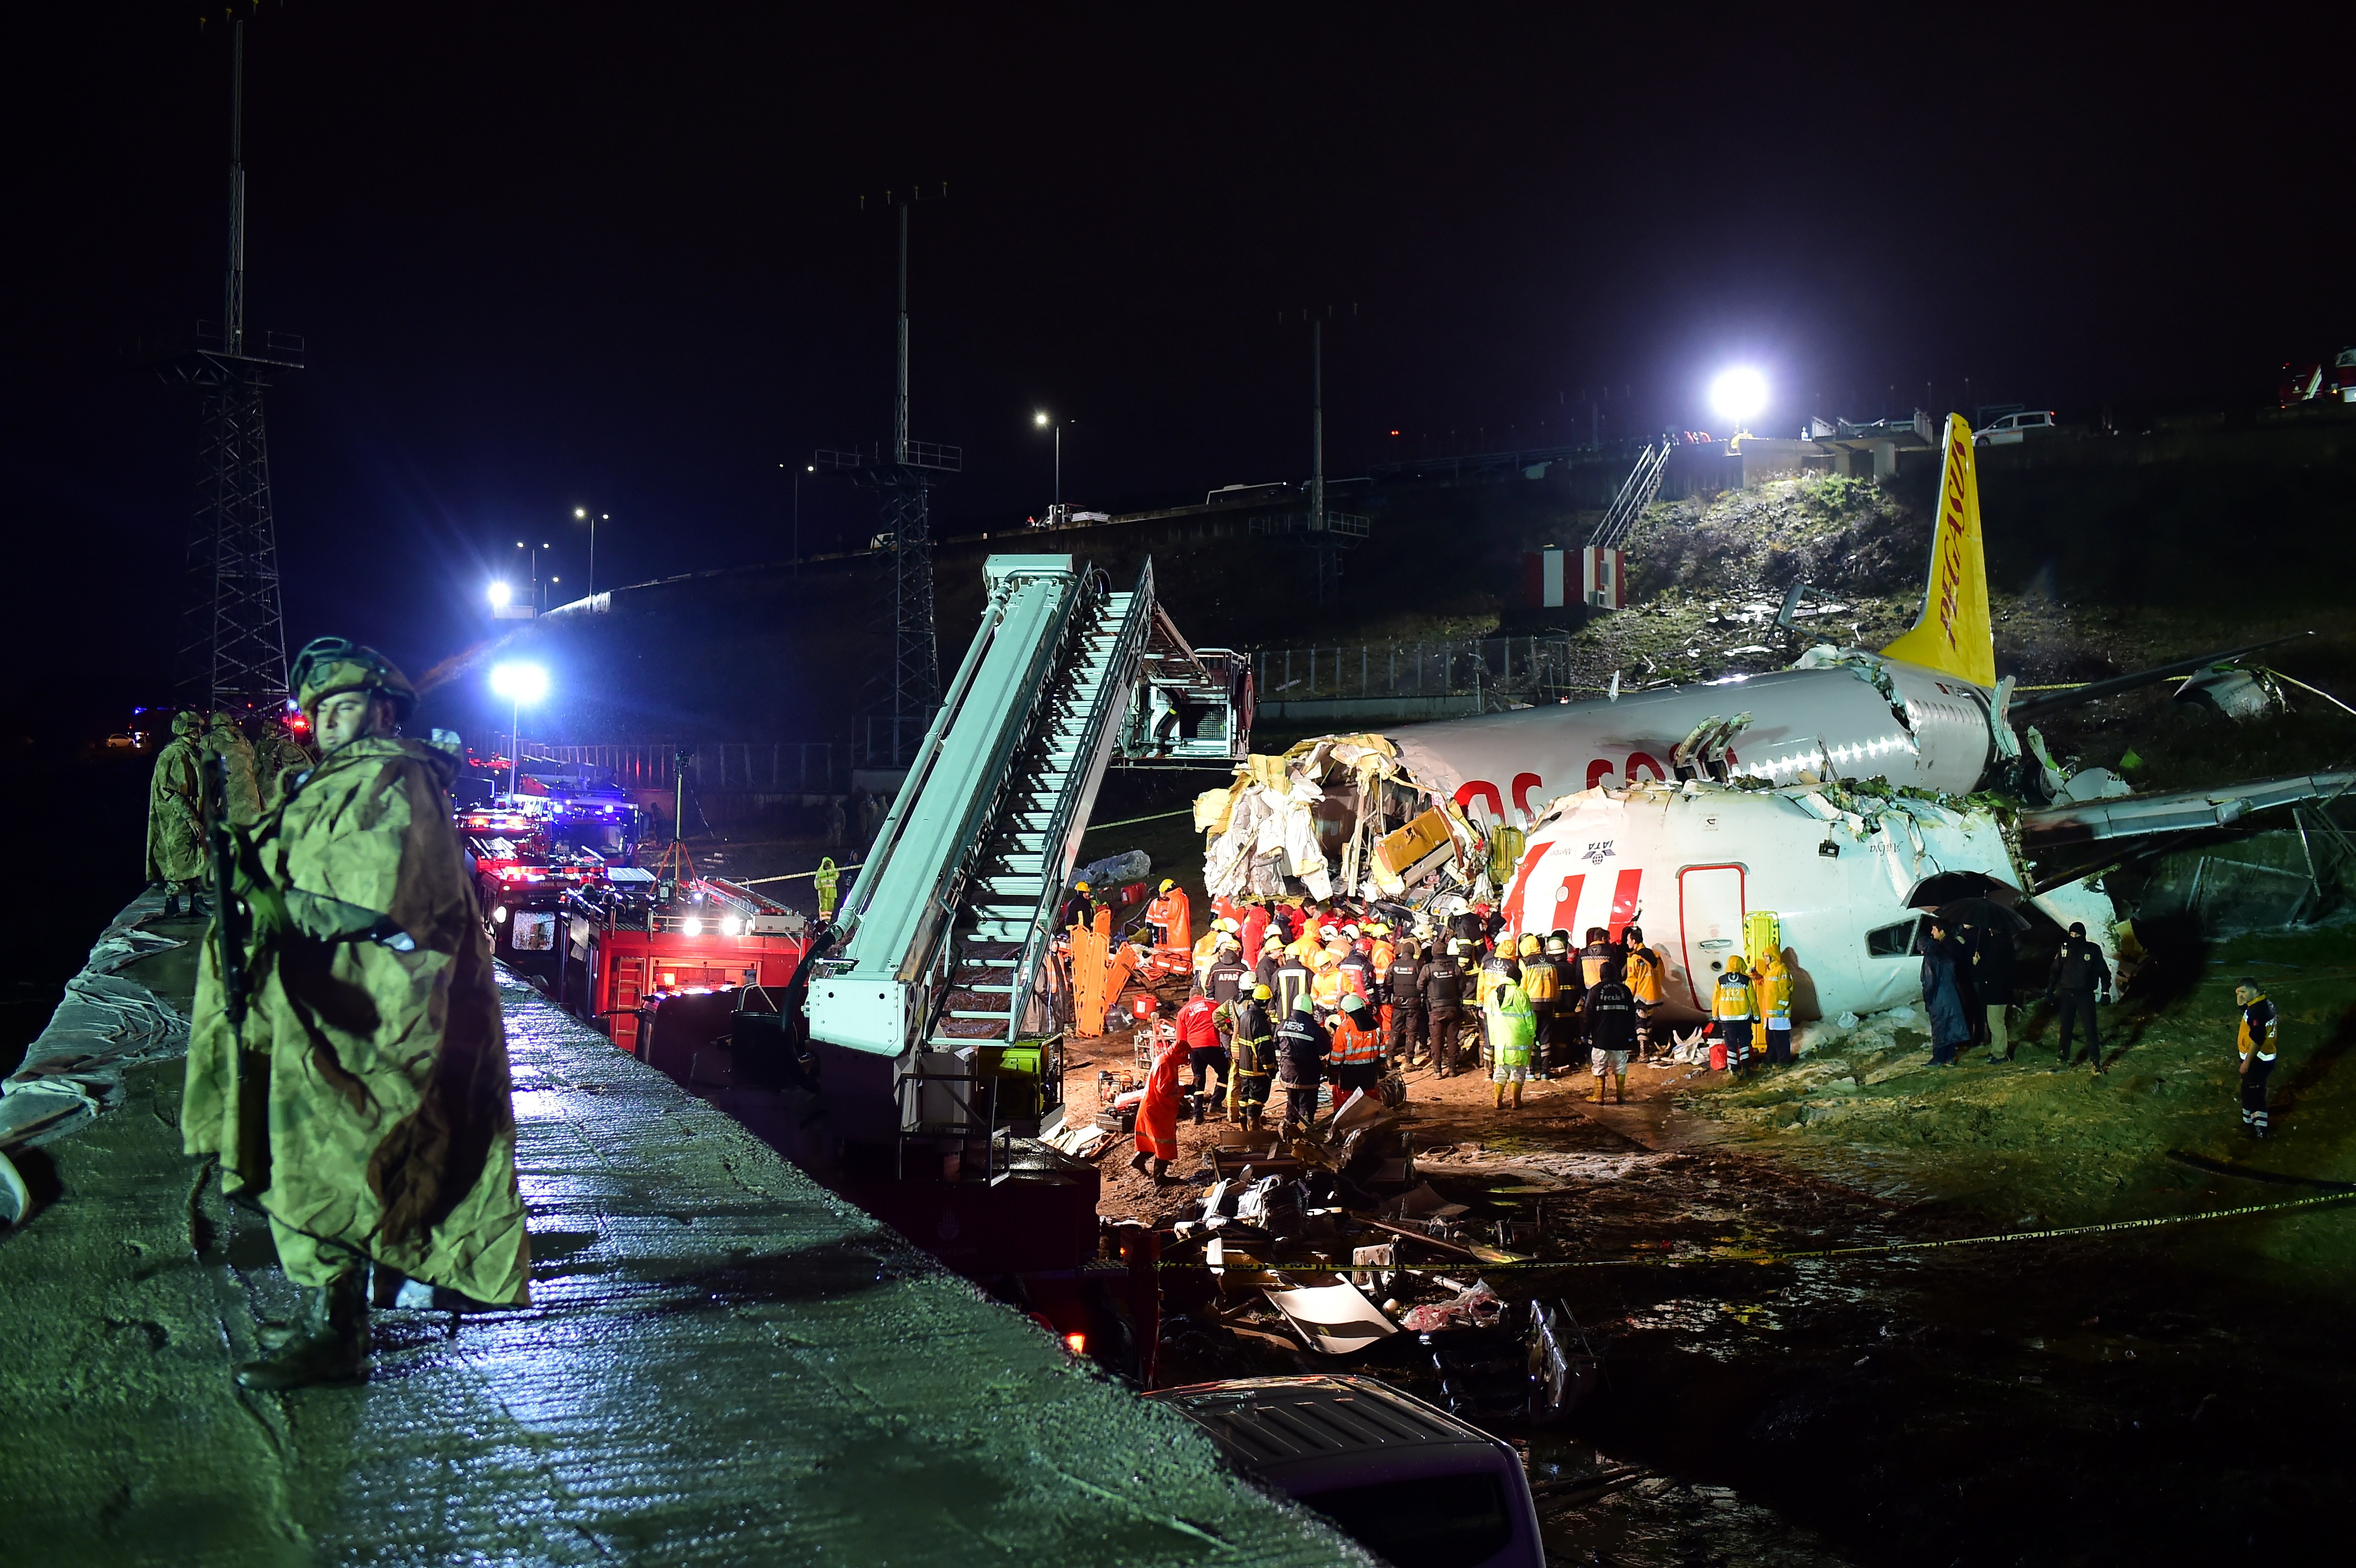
column 1746, row 1256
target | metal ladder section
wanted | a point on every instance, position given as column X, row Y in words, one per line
column 946, row 933
column 1636, row 492
column 1005, row 923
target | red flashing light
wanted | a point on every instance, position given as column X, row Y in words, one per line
column 1076, row 1343
column 1394, row 432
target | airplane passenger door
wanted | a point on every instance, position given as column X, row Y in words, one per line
column 1709, row 915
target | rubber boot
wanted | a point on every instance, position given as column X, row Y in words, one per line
column 171, row 906
column 1138, row 1161
column 1620, row 1089
column 1501, row 1097
column 328, row 1343
column 1517, row 1094
column 1595, row 1095
column 1161, row 1173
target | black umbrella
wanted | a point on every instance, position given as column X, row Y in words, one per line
column 1984, row 913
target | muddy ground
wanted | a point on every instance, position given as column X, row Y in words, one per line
column 2171, row 1394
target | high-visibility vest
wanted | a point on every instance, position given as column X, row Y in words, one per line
column 1325, row 988
column 1291, row 982
column 1540, row 979
column 1512, row 1025
column 1774, row 992
column 1354, row 1044
column 1382, row 953
column 1733, row 999
column 1644, row 976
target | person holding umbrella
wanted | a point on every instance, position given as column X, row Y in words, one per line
column 1943, row 996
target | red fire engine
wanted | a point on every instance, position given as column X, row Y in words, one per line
column 635, row 938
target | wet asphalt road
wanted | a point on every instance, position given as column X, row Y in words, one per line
column 723, row 1363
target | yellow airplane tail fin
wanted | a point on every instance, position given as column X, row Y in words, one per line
column 1953, row 635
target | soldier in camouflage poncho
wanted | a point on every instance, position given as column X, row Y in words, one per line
column 175, row 820
column 365, row 1101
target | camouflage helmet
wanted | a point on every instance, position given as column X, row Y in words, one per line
column 187, row 724
column 330, row 665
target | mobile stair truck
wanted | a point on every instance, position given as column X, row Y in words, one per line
column 916, row 1056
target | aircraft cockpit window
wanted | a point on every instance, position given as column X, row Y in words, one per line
column 1892, row 941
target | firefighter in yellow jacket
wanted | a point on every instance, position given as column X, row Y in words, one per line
column 1734, row 1012
column 363, row 1098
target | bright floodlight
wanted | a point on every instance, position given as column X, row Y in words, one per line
column 501, row 594
column 520, row 683
column 1739, row 394
column 1040, row 420
column 580, row 511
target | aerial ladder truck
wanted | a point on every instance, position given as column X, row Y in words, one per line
column 933, row 992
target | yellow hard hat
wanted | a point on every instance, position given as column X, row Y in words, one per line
column 1167, row 884
column 1079, row 886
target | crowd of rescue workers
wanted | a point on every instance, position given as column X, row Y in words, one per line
column 1329, row 997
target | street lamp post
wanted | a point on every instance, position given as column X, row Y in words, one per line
column 583, row 515
column 1046, row 421
column 519, row 683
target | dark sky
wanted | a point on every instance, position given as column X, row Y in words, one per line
column 550, row 255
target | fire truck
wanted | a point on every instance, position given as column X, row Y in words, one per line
column 635, row 941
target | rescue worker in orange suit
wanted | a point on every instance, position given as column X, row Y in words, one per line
column 2260, row 1025
column 1405, row 1028
column 1255, row 932
column 1734, row 1010
column 1300, row 1050
column 1157, row 1113
column 2079, row 972
column 1440, row 980
column 1206, row 1052
column 1357, row 1047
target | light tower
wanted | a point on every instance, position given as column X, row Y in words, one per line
column 233, row 638
column 910, row 690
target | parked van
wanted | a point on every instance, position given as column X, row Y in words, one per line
column 2015, row 427
column 1407, row 1481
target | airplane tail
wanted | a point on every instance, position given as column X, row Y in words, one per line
column 1953, row 635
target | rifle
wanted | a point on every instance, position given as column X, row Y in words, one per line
column 227, row 934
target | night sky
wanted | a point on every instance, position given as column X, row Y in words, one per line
column 612, row 256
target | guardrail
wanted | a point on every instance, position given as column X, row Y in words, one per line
column 760, row 767
column 1527, row 668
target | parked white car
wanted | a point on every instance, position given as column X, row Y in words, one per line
column 2013, row 428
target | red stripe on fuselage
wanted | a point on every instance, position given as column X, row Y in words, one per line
column 1623, row 901
column 1513, row 900
column 1566, row 906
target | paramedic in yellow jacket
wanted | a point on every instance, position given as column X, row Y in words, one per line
column 2261, row 1025
column 1734, row 1012
column 1772, row 991
column 364, row 1100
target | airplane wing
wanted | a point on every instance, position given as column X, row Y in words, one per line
column 2057, row 836
column 2025, row 709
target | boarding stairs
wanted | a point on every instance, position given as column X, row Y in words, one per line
column 946, row 941
column 1636, row 492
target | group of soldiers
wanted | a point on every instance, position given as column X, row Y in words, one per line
column 256, row 760
column 347, row 1072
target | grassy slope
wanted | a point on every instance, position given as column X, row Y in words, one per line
column 2026, row 1147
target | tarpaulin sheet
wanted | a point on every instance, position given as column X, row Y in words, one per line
column 104, row 1026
